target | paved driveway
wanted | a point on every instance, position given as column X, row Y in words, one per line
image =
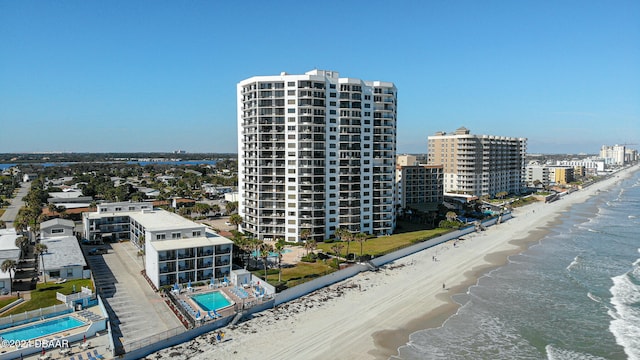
column 135, row 310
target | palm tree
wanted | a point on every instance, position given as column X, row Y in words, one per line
column 265, row 249
column 451, row 216
column 22, row 242
column 346, row 235
column 141, row 252
column 304, row 235
column 361, row 238
column 337, row 248
column 8, row 266
column 279, row 248
column 40, row 250
column 236, row 220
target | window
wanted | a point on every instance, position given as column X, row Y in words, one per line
column 118, row 209
column 291, row 101
column 291, row 111
column 57, row 231
column 176, row 235
column 291, row 83
column 332, row 112
column 69, row 272
column 196, row 233
column 161, row 236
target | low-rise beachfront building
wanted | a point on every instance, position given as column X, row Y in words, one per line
column 111, row 220
column 561, row 175
column 175, row 249
column 63, row 259
column 8, row 251
column 56, row 227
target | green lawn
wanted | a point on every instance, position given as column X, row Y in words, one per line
column 385, row 244
column 45, row 295
column 5, row 302
column 298, row 274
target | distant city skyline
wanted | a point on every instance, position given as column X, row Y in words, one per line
column 160, row 76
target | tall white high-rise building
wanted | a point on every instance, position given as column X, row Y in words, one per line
column 317, row 152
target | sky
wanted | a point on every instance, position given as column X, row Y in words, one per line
column 157, row 76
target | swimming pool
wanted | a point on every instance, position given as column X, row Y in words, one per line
column 211, row 301
column 42, row 329
column 256, row 253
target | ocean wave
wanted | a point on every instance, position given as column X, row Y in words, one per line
column 625, row 325
column 594, row 298
column 556, row 353
column 574, row 262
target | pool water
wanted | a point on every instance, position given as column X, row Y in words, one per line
column 211, row 301
column 42, row 329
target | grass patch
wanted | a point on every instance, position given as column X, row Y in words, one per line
column 298, row 274
column 45, row 295
column 5, row 302
column 385, row 244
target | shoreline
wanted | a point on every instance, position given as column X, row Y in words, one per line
column 372, row 314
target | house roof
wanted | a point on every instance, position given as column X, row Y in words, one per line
column 62, row 251
column 57, row 222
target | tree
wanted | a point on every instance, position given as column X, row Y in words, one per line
column 8, row 266
column 22, row 242
column 141, row 252
column 347, row 236
column 236, row 220
column 40, row 250
column 3, row 225
column 304, row 235
column 279, row 249
column 310, row 246
column 451, row 216
column 337, row 248
column 361, row 238
column 265, row 250
column 231, row 206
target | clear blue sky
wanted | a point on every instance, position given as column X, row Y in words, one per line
column 102, row 76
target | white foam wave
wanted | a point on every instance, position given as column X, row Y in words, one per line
column 631, row 216
column 593, row 297
column 556, row 353
column 625, row 325
column 574, row 262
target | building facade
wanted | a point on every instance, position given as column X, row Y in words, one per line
column 613, row 155
column 316, row 151
column 175, row 249
column 479, row 164
column 420, row 187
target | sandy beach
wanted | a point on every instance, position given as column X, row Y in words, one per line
column 370, row 315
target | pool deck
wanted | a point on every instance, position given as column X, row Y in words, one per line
column 237, row 303
column 59, row 339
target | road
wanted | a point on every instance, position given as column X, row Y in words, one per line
column 16, row 203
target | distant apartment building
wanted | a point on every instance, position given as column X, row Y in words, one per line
column 176, row 249
column 613, row 155
column 316, row 151
column 479, row 164
column 537, row 175
column 590, row 166
column 406, row 160
column 561, row 175
column 420, row 187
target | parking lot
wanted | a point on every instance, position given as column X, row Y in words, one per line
column 135, row 310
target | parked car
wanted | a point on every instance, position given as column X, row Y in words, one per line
column 97, row 251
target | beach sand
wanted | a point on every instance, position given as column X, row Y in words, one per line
column 370, row 315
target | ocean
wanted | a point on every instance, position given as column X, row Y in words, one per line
column 573, row 295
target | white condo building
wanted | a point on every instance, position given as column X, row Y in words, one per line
column 175, row 249
column 316, row 151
